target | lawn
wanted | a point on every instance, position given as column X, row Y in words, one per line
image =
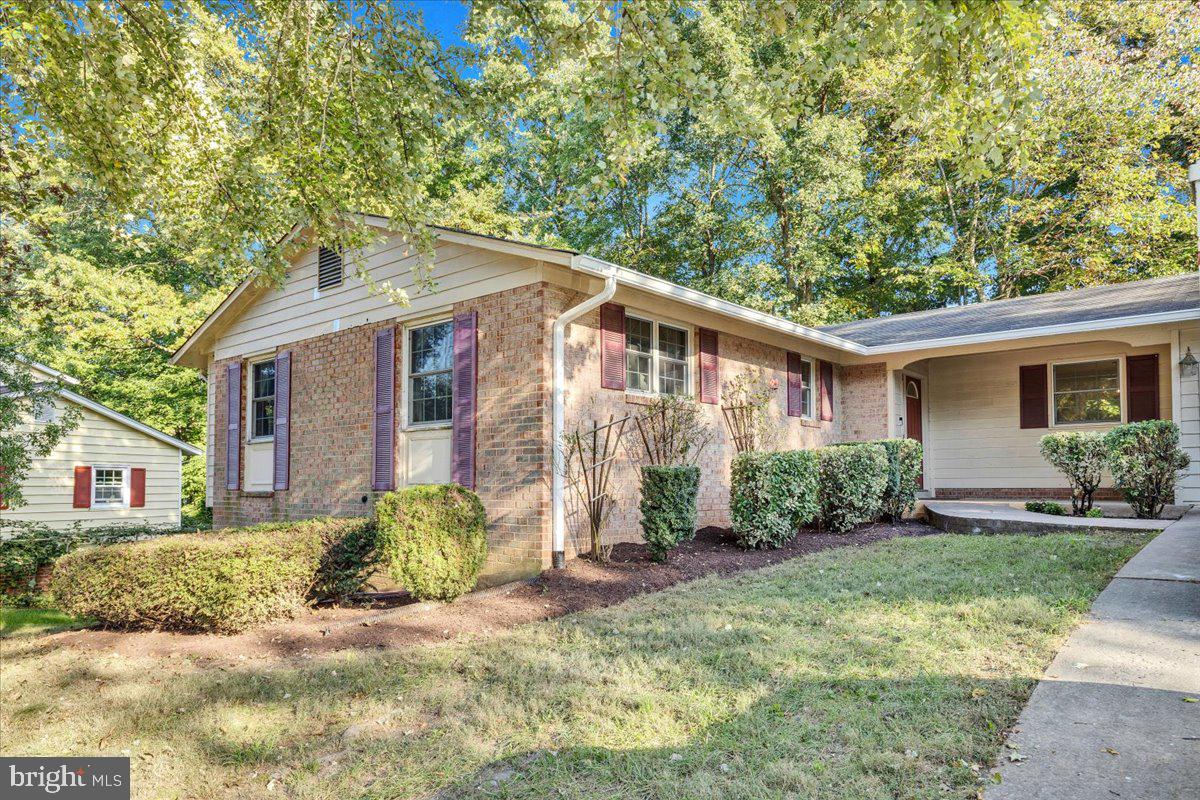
column 31, row 621
column 888, row 671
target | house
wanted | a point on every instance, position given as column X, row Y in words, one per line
column 109, row 469
column 323, row 394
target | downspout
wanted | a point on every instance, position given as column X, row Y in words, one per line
column 558, row 480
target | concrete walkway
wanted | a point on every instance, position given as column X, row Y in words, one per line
column 1111, row 717
column 983, row 516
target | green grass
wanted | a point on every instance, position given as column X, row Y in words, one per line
column 882, row 672
column 32, row 621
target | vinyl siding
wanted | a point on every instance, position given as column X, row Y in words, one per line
column 99, row 440
column 973, row 428
column 294, row 312
column 1189, row 421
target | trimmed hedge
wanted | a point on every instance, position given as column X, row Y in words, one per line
column 1046, row 507
column 432, row 539
column 1145, row 459
column 772, row 496
column 1080, row 456
column 853, row 478
column 668, row 506
column 904, row 458
column 222, row 582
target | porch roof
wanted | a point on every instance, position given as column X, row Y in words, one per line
column 1096, row 304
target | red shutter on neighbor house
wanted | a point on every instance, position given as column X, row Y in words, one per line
column 795, row 386
column 463, row 440
column 826, row 391
column 1035, row 397
column 383, row 470
column 1141, row 377
column 283, row 421
column 710, row 367
column 233, row 425
column 612, row 346
column 137, row 487
column 83, row 487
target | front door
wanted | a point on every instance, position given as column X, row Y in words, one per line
column 912, row 415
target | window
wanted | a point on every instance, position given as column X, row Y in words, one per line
column 655, row 357
column 806, row 388
column 262, row 400
column 110, row 487
column 430, row 366
column 1087, row 392
column 44, row 412
column 329, row 269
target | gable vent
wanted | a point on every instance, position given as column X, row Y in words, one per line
column 329, row 269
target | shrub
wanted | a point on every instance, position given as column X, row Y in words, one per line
column 1144, row 458
column 668, row 506
column 1080, row 457
column 772, row 495
column 1094, row 513
column 1046, row 507
column 852, row 481
column 222, row 582
column 349, row 556
column 904, row 458
column 23, row 552
column 432, row 539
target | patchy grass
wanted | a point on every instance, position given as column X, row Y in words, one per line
column 881, row 672
column 32, row 621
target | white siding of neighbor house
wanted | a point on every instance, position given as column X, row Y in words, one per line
column 1189, row 420
column 974, row 436
column 97, row 440
column 295, row 311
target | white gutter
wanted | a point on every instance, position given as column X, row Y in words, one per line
column 559, row 478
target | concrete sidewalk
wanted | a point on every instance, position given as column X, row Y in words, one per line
column 1110, row 719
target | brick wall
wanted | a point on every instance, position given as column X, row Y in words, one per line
column 863, row 406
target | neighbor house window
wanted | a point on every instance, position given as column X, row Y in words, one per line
column 806, row 389
column 655, row 357
column 110, row 487
column 1087, row 392
column 430, row 364
column 262, row 400
column 329, row 269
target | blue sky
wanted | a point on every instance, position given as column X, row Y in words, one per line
column 443, row 17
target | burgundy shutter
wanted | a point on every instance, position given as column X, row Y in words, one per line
column 1035, row 397
column 83, row 487
column 612, row 346
column 826, row 391
column 383, row 422
column 283, row 420
column 137, row 487
column 795, row 386
column 462, row 469
column 233, row 425
column 1141, row 377
column 710, row 367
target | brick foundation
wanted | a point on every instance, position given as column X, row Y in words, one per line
column 1021, row 494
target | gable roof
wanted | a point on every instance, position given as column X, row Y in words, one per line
column 1153, row 300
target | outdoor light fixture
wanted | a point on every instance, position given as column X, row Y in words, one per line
column 1188, row 364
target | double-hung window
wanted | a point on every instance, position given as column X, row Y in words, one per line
column 110, row 487
column 1087, row 392
column 806, row 388
column 262, row 400
column 430, row 378
column 656, row 357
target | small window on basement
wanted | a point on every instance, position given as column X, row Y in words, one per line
column 329, row 269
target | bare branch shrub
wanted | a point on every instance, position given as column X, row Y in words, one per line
column 673, row 431
column 590, row 452
column 747, row 413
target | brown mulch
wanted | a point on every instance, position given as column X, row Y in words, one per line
column 582, row 585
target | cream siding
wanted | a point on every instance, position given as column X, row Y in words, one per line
column 49, row 489
column 973, row 433
column 1188, row 418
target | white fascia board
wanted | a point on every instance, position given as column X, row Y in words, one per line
column 640, row 280
column 1045, row 330
column 117, row 416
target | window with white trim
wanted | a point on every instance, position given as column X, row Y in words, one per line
column 110, row 487
column 1087, row 392
column 430, row 373
column 262, row 400
column 806, row 388
column 656, row 357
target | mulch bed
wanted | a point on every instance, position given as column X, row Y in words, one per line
column 582, row 585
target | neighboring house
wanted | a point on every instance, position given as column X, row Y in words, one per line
column 323, row 394
column 109, row 469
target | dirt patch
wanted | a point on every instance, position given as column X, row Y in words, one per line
column 584, row 584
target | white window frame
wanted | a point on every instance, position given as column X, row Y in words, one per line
column 811, row 413
column 1054, row 423
column 689, row 336
column 250, row 398
column 406, row 392
column 124, row 501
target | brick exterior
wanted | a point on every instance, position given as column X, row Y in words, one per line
column 863, row 405
column 1105, row 493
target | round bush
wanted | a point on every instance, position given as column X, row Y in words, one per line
column 852, row 483
column 1145, row 460
column 668, row 507
column 772, row 495
column 432, row 539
